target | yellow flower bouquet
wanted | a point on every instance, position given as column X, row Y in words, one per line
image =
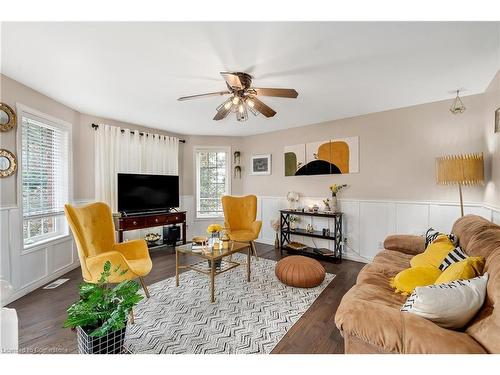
column 336, row 188
column 213, row 228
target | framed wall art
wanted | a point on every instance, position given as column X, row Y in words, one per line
column 261, row 164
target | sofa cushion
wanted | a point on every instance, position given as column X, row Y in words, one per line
column 378, row 274
column 485, row 327
column 405, row 243
column 468, row 226
column 372, row 315
column 393, row 258
column 484, row 243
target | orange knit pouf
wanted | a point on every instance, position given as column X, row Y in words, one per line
column 300, row 271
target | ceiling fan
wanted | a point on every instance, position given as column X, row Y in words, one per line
column 243, row 97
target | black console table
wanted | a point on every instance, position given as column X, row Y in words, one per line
column 134, row 222
column 335, row 236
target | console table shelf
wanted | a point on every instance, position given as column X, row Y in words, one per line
column 336, row 236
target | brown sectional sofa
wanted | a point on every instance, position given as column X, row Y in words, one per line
column 369, row 318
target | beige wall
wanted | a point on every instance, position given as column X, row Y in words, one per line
column 491, row 103
column 397, row 151
column 188, row 177
column 13, row 92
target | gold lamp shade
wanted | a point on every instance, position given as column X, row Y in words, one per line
column 467, row 169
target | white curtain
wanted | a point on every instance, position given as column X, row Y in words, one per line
column 124, row 151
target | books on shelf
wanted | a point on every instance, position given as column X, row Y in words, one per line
column 324, row 252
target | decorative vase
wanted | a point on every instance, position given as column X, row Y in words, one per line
column 334, row 204
column 293, row 225
column 214, row 237
column 276, row 242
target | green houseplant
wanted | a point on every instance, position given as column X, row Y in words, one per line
column 100, row 315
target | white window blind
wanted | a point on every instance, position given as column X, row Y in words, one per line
column 212, row 181
column 45, row 177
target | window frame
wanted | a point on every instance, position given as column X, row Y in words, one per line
column 196, row 163
column 42, row 240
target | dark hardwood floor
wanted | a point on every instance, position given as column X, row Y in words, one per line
column 42, row 312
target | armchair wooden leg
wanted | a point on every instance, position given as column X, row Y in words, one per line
column 131, row 316
column 146, row 291
column 254, row 250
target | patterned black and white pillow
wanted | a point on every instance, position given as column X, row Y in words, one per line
column 449, row 305
column 454, row 256
column 432, row 234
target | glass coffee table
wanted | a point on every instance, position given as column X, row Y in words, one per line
column 207, row 265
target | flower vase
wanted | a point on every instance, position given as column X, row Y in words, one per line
column 334, row 204
column 214, row 238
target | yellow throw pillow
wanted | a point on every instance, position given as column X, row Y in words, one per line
column 434, row 254
column 421, row 260
column 408, row 279
column 463, row 270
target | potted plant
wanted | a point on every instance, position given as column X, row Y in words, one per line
column 100, row 315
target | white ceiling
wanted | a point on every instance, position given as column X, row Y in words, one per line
column 134, row 72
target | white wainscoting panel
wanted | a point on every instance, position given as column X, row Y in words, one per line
column 29, row 269
column 33, row 267
column 367, row 222
column 412, row 218
column 496, row 216
column 5, row 268
column 377, row 220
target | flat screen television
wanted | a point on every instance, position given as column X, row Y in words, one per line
column 147, row 192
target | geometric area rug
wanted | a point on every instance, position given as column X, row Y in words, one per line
column 246, row 317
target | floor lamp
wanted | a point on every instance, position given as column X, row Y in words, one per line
column 467, row 169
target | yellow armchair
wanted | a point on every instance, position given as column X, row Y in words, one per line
column 94, row 233
column 239, row 219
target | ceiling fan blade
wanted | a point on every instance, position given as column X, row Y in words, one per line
column 282, row 93
column 222, row 112
column 232, row 80
column 262, row 108
column 219, row 93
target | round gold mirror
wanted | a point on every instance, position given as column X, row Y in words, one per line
column 7, row 117
column 8, row 163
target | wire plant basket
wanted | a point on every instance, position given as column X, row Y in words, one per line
column 112, row 343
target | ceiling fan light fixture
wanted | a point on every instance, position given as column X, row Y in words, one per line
column 243, row 97
column 241, row 114
column 457, row 106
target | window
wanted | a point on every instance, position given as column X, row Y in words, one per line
column 44, row 177
column 212, row 180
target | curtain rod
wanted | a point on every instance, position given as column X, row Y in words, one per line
column 96, row 126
